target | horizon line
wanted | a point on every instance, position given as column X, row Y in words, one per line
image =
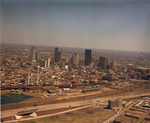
column 73, row 47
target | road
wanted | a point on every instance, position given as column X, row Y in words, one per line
column 16, row 121
column 121, row 113
column 12, row 112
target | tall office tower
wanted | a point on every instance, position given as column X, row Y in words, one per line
column 87, row 57
column 48, row 62
column 104, row 62
column 43, row 63
column 75, row 60
column 37, row 83
column 57, row 54
column 37, row 56
column 112, row 65
column 34, row 54
column 28, row 82
column 69, row 63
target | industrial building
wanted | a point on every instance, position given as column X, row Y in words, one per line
column 115, row 104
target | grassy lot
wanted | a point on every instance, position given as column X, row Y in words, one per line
column 89, row 115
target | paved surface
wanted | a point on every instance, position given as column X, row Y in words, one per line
column 121, row 113
column 7, row 113
column 143, row 117
column 16, row 121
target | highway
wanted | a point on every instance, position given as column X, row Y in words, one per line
column 12, row 112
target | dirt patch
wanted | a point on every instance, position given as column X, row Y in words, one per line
column 86, row 115
column 40, row 113
column 8, row 118
column 52, row 111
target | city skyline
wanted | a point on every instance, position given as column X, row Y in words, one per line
column 94, row 24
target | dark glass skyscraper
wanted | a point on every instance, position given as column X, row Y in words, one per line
column 57, row 54
column 87, row 57
column 103, row 62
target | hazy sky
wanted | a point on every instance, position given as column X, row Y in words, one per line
column 100, row 24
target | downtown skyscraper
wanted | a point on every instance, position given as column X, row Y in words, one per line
column 57, row 54
column 103, row 62
column 34, row 54
column 75, row 60
column 88, row 53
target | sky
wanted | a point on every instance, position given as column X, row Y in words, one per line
column 98, row 24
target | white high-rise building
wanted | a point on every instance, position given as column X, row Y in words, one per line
column 37, row 83
column 75, row 59
column 48, row 62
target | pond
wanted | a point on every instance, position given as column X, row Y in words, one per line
column 13, row 98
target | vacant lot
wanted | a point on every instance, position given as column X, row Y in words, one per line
column 129, row 118
column 145, row 121
column 40, row 113
column 142, row 90
column 87, row 115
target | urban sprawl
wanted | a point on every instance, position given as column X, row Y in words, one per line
column 61, row 73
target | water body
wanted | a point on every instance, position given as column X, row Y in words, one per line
column 13, row 98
